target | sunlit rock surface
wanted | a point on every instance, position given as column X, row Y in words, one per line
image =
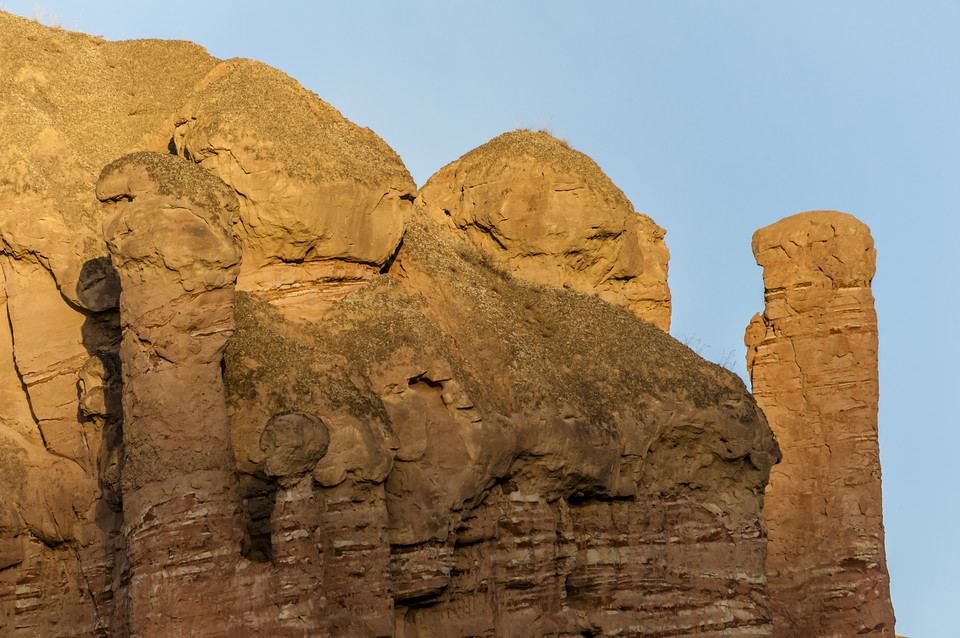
column 812, row 357
column 546, row 213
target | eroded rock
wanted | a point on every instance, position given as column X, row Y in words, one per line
column 540, row 210
column 170, row 241
column 322, row 200
column 812, row 357
column 504, row 458
column 459, row 486
column 292, row 443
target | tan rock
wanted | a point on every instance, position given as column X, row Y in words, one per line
column 812, row 357
column 15, row 414
column 321, row 199
column 496, row 507
column 504, row 458
column 69, row 104
column 540, row 210
column 292, row 443
column 48, row 351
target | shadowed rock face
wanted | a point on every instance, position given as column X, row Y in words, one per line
column 547, row 213
column 495, row 484
column 446, row 450
column 812, row 357
column 169, row 238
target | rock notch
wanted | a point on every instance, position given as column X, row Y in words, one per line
column 542, row 211
column 812, row 358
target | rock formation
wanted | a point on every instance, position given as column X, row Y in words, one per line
column 547, row 213
column 170, row 240
column 321, row 200
column 461, row 496
column 812, row 357
column 400, row 437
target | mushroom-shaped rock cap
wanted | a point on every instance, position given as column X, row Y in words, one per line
column 292, row 444
column 549, row 214
column 313, row 184
column 820, row 247
column 171, row 214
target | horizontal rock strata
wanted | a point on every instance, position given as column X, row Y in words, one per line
column 473, row 502
column 812, row 357
column 400, row 438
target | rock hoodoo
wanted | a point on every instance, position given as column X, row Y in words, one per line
column 812, row 357
column 547, row 213
column 170, row 240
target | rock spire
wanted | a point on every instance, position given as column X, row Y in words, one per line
column 812, row 358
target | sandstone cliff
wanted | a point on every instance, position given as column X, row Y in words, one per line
column 812, row 357
column 251, row 387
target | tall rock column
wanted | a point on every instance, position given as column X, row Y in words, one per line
column 169, row 239
column 812, row 358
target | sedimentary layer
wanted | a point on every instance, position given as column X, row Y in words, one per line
column 252, row 387
column 812, row 358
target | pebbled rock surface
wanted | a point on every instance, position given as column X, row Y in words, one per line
column 399, row 438
column 542, row 211
column 812, row 357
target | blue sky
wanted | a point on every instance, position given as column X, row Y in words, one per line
column 715, row 119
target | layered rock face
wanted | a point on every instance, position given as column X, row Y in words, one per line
column 171, row 244
column 399, row 437
column 547, row 213
column 812, row 357
column 481, row 479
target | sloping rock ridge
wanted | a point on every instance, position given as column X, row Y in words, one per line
column 255, row 384
column 812, row 357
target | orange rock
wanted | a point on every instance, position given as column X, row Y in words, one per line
column 812, row 358
column 540, row 210
column 322, row 200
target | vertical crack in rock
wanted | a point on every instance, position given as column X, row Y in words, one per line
column 18, row 413
column 812, row 357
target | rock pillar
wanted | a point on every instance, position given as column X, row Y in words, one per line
column 170, row 242
column 812, row 358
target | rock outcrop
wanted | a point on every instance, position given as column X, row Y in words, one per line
column 322, row 201
column 480, row 477
column 812, row 357
column 547, row 213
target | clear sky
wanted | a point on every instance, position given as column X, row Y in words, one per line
column 715, row 119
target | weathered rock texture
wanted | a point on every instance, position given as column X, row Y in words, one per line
column 547, row 213
column 321, row 200
column 481, row 476
column 400, row 438
column 812, row 357
column 171, row 244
